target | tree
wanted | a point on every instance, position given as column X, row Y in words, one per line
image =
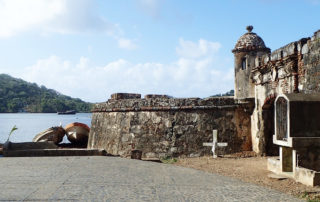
column 18, row 95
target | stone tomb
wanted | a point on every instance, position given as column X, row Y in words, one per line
column 297, row 132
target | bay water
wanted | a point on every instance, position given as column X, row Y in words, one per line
column 30, row 124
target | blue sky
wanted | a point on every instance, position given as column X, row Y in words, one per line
column 92, row 48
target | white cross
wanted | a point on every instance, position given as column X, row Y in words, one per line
column 215, row 143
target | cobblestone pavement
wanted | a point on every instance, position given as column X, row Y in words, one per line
column 98, row 178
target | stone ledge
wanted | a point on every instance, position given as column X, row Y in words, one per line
column 164, row 103
column 152, row 96
column 54, row 152
column 120, row 96
column 135, row 109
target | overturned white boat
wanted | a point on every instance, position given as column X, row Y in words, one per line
column 53, row 134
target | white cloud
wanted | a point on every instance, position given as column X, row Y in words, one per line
column 126, row 44
column 56, row 16
column 191, row 49
column 188, row 76
column 21, row 15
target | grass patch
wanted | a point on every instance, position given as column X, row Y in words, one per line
column 168, row 160
column 310, row 197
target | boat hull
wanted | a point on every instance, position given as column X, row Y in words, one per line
column 77, row 133
column 53, row 134
column 70, row 112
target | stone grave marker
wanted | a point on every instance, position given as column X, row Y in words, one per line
column 214, row 144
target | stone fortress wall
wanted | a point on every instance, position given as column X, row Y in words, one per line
column 161, row 126
column 294, row 68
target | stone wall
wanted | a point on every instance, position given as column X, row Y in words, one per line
column 309, row 67
column 294, row 68
column 161, row 126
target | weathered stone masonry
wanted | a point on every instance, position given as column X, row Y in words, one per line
column 294, row 68
column 262, row 75
column 160, row 126
column 163, row 126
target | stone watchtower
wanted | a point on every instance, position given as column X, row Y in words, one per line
column 247, row 48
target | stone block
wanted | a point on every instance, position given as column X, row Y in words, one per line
column 317, row 34
column 193, row 155
column 120, row 96
column 307, row 176
column 135, row 129
column 29, row 145
column 276, row 55
column 257, row 62
column 300, row 44
column 150, row 155
column 266, row 58
column 274, row 165
column 55, row 152
column 173, row 149
column 289, row 49
column 300, row 174
column 125, row 137
column 152, row 96
column 305, row 49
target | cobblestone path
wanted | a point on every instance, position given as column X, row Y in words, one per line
column 114, row 179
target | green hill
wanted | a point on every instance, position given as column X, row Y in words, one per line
column 17, row 95
column 229, row 93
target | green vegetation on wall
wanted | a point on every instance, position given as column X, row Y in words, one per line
column 17, row 95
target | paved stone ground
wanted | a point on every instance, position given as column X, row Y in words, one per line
column 98, row 178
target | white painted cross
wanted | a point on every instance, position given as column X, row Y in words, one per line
column 215, row 143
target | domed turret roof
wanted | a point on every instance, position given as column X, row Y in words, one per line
column 250, row 42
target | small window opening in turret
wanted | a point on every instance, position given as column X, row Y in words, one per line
column 259, row 61
column 243, row 63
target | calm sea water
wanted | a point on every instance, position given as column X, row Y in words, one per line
column 30, row 124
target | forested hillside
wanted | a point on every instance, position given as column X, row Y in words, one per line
column 17, row 95
column 229, row 93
